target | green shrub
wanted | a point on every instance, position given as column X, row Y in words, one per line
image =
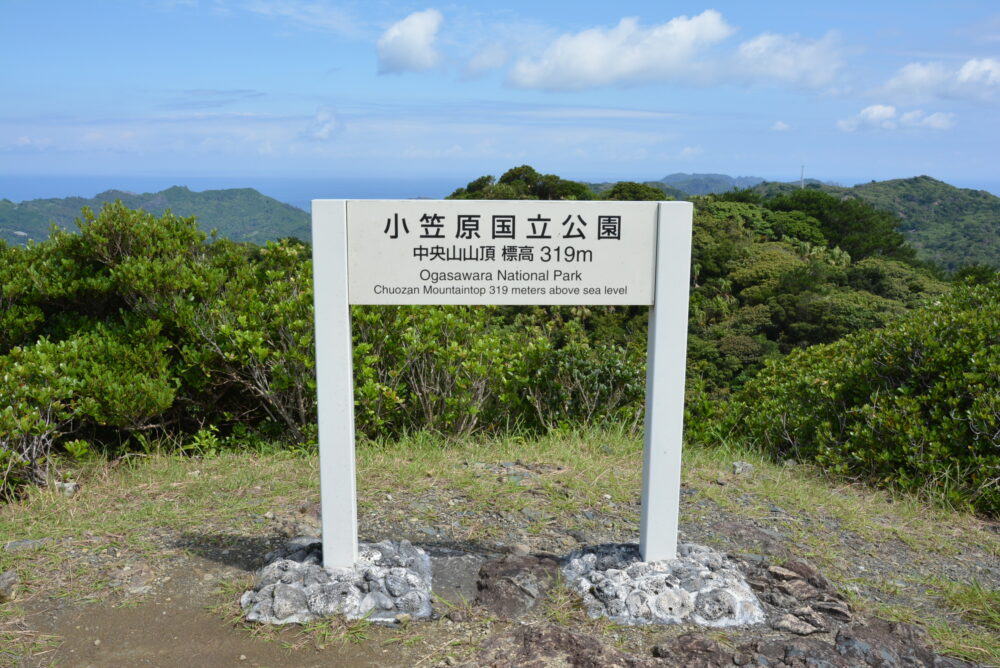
column 914, row 405
column 103, row 377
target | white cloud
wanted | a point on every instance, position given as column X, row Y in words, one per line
column 491, row 56
column 625, row 54
column 790, row 59
column 408, row 45
column 563, row 113
column 939, row 120
column 691, row 151
column 309, row 15
column 780, row 126
column 976, row 79
column 325, row 125
column 985, row 72
column 887, row 117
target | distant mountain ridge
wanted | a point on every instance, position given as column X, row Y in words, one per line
column 240, row 214
column 681, row 185
column 707, row 184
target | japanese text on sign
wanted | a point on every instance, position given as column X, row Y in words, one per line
column 510, row 252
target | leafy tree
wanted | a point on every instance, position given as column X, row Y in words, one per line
column 630, row 191
column 856, row 227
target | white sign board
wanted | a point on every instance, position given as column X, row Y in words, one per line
column 501, row 252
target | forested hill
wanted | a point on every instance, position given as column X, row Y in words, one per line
column 240, row 214
column 682, row 186
column 947, row 225
column 706, row 184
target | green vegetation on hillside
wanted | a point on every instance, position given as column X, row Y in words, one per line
column 946, row 225
column 240, row 214
column 914, row 404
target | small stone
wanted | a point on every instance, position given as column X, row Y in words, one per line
column 403, row 619
column 808, row 572
column 793, row 625
column 799, row 589
column 783, row 573
column 520, row 550
column 243, row 657
column 810, row 616
column 8, row 586
column 835, row 609
column 533, row 514
column 67, row 489
column 742, row 468
column 97, row 642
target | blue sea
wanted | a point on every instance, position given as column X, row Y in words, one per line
column 295, row 191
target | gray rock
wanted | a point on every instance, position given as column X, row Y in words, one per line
column 700, row 586
column 396, row 584
column 288, row 601
column 742, row 468
column 793, row 624
column 520, row 549
column 294, row 587
column 26, row 544
column 332, row 599
column 8, row 585
column 715, row 604
column 674, row 605
column 835, row 609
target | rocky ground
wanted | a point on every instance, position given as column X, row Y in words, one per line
column 499, row 601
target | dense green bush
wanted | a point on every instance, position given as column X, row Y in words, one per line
column 141, row 326
column 914, row 405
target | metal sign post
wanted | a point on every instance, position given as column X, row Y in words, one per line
column 501, row 252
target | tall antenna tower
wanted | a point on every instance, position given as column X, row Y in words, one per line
column 802, row 178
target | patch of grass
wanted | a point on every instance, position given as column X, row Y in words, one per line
column 971, row 644
column 19, row 645
column 808, row 496
column 563, row 606
column 978, row 642
column 974, row 602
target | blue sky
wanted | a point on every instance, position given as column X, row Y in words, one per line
column 589, row 90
